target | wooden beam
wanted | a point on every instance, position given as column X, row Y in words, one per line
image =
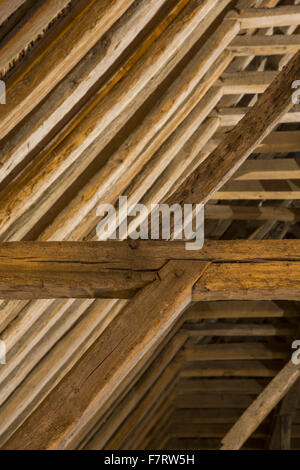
column 241, row 309
column 269, row 169
column 282, row 431
column 246, row 82
column 249, row 281
column 269, row 17
column 31, row 84
column 102, row 370
column 259, row 190
column 265, row 45
column 35, row 25
column 200, row 186
column 17, row 148
column 135, row 255
column 115, row 269
column 225, row 212
column 231, row 116
column 261, row 407
column 132, row 407
column 113, row 284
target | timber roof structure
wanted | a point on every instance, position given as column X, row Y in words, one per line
column 142, row 344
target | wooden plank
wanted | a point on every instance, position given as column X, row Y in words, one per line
column 18, row 147
column 29, row 87
column 265, row 45
column 102, row 370
column 269, row 169
column 269, row 17
column 108, row 114
column 246, row 82
column 231, row 116
column 200, row 186
column 261, row 407
column 29, row 31
column 249, row 281
column 276, row 142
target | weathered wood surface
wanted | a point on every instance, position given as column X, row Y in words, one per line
column 136, row 254
column 113, row 284
column 250, row 281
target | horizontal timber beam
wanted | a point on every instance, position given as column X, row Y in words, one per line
column 115, row 269
column 265, row 45
column 268, row 17
column 228, row 212
column 249, row 281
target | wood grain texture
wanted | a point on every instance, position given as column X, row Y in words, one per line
column 250, row 281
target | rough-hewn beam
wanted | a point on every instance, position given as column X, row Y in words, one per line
column 103, row 283
column 135, row 254
column 118, row 269
column 250, row 281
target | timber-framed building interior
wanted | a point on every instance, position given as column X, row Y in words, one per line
column 142, row 344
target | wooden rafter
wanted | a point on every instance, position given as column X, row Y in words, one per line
column 261, row 407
